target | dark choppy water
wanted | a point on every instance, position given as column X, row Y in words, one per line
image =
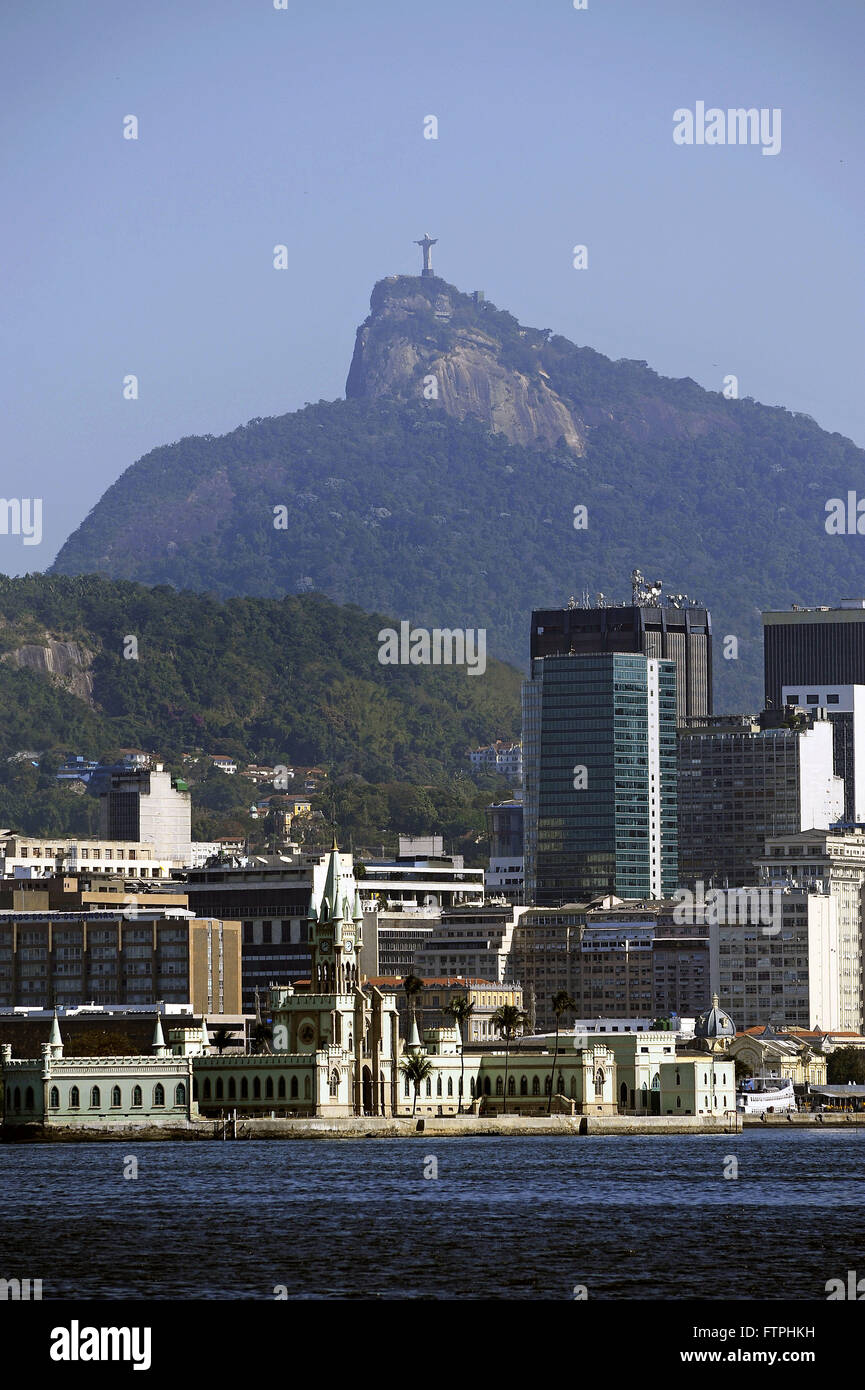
column 636, row 1218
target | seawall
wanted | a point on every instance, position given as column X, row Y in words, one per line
column 830, row 1120
column 375, row 1127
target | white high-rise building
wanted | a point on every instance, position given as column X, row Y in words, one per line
column 845, row 710
column 830, row 862
column 150, row 806
column 775, row 957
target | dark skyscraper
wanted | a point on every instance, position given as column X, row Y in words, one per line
column 659, row 630
column 813, row 647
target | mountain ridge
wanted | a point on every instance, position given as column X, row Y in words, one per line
column 457, row 508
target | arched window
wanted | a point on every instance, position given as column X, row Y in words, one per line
column 180, row 1094
column 500, row 1089
column 573, row 1086
column 280, row 1090
column 74, row 1098
column 16, row 1098
column 599, row 1082
column 561, row 1084
column 548, row 1085
column 268, row 1088
column 460, row 1087
column 429, row 1085
column 407, row 1086
column 220, row 1089
column 705, row 1079
column 334, row 1083
column 678, row 1102
column 207, row 1088
column 54, row 1098
column 95, row 1098
column 524, row 1085
column 136, row 1096
column 256, row 1088
column 471, row 1085
column 116, row 1098
column 450, row 1085
column 28, row 1098
column 678, row 1077
column 307, row 1088
column 536, row 1085
column 195, row 1088
column 486, row 1085
column 232, row 1088
column 158, row 1094
column 439, row 1084
column 293, row 1088
column 244, row 1088
column 512, row 1085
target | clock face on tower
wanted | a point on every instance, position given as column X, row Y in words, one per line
column 348, row 944
column 325, row 948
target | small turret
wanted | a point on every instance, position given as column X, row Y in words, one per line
column 158, row 1045
column 413, row 1044
column 55, row 1042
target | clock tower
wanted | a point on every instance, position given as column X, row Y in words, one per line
column 335, row 932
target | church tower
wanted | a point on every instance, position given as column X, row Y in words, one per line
column 335, row 932
column 347, row 1037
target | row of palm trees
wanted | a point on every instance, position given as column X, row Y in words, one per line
column 508, row 1022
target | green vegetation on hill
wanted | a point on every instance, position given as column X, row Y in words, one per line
column 398, row 507
column 293, row 680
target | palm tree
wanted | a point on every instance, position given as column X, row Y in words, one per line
column 262, row 1037
column 507, row 1021
column 461, row 1009
column 562, row 1004
column 413, row 987
column 222, row 1035
column 416, row 1067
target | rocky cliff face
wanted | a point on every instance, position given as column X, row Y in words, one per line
column 66, row 663
column 422, row 329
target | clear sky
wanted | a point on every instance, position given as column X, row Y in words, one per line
column 305, row 126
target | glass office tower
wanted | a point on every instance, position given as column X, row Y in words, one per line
column 599, row 758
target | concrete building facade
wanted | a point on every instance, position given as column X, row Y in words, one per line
column 739, row 786
column 130, row 956
column 830, row 862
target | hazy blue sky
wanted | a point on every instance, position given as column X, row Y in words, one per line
column 304, row 126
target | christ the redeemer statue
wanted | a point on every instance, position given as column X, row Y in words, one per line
column 425, row 244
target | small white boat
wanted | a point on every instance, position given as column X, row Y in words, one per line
column 765, row 1095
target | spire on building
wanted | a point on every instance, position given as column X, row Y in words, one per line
column 158, row 1043
column 55, row 1042
column 330, row 899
